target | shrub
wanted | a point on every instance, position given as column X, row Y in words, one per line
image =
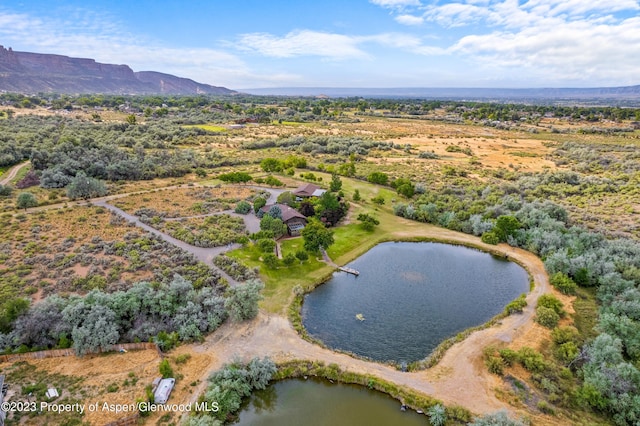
column 565, row 334
column 356, row 195
column 242, row 300
column 547, row 317
column 165, row 369
column 266, row 245
column 517, row 305
column 258, row 203
column 379, row 178
column 531, row 360
column 495, row 364
column 302, row 255
column 5, row 190
column 551, row 302
column 243, row 207
column 497, row 419
column 563, row 283
column 85, row 187
column 437, row 415
column 490, row 237
column 289, row 259
column 270, row 260
column 379, row 200
column 508, row 355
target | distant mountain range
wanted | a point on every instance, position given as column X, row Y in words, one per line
column 619, row 94
column 24, row 72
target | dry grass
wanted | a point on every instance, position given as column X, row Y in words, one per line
column 185, row 202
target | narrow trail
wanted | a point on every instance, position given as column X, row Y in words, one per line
column 459, row 378
column 13, row 172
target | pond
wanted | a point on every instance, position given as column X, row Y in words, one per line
column 409, row 297
column 317, row 402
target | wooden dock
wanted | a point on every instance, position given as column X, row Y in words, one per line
column 349, row 270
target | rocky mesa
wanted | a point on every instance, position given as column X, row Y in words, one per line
column 25, row 72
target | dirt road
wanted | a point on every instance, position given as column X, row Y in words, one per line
column 13, row 172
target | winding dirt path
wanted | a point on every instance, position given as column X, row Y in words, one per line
column 13, row 172
column 459, row 378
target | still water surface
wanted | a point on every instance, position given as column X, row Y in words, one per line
column 320, row 403
column 412, row 296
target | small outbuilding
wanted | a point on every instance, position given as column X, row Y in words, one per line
column 308, row 190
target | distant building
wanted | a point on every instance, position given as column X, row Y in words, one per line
column 294, row 220
column 161, row 395
column 308, row 190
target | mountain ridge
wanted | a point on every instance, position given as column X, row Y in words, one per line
column 27, row 72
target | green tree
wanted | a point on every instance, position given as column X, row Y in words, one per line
column 26, row 200
column 336, row 183
column 10, row 310
column 287, row 198
column 271, row 165
column 316, row 235
column 506, row 226
column 131, row 119
column 275, row 225
column 85, row 187
column 356, row 195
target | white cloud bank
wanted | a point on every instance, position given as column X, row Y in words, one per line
column 556, row 40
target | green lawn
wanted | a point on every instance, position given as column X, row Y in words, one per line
column 351, row 241
column 279, row 282
column 209, row 127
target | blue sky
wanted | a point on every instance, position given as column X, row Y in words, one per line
column 344, row 43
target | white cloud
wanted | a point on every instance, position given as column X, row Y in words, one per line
column 396, row 3
column 409, row 20
column 580, row 7
column 575, row 51
column 456, row 14
column 303, row 43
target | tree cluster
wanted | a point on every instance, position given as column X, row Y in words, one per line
column 166, row 313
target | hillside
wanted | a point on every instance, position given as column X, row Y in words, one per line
column 25, row 72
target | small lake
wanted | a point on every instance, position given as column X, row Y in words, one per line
column 319, row 403
column 410, row 297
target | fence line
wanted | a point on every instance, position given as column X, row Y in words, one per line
column 125, row 421
column 70, row 352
